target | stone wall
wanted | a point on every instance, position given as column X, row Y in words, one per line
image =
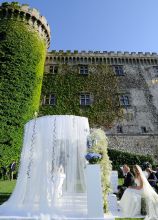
column 143, row 101
column 141, row 144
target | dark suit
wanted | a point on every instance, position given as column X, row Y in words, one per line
column 12, row 168
column 128, row 181
column 156, row 174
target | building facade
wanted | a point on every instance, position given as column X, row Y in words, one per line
column 137, row 93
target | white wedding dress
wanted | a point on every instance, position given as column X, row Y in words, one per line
column 130, row 202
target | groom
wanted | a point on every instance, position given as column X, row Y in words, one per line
column 128, row 181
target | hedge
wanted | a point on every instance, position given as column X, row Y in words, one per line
column 119, row 158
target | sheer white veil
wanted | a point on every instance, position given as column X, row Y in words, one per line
column 150, row 196
column 148, row 191
column 51, row 179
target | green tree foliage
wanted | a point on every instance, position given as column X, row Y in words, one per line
column 68, row 84
column 22, row 56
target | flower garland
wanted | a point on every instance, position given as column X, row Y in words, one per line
column 97, row 144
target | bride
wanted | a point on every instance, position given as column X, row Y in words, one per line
column 130, row 202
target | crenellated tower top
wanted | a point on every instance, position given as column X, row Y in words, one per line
column 31, row 16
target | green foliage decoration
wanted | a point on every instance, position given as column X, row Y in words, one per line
column 22, row 56
column 68, row 84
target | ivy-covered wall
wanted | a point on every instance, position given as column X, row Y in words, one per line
column 68, row 84
column 22, row 57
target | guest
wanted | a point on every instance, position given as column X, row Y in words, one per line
column 4, row 172
column 128, row 181
column 156, row 173
column 145, row 166
column 152, row 179
column 12, row 168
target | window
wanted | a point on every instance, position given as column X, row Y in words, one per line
column 143, row 129
column 155, row 70
column 119, row 70
column 85, row 99
column 129, row 116
column 53, row 69
column 119, row 129
column 84, row 70
column 150, row 97
column 124, row 100
column 49, row 100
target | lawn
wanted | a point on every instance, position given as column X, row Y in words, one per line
column 6, row 188
column 120, row 181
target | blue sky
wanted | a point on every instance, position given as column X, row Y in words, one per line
column 112, row 25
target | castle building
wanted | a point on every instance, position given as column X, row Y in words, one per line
column 137, row 77
column 116, row 91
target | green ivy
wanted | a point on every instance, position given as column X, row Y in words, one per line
column 67, row 85
column 22, row 56
column 11, row 4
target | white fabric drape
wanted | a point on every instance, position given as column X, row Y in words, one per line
column 151, row 198
column 54, row 149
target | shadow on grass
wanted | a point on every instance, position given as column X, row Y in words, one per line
column 4, row 197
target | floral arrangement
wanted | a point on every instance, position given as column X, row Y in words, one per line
column 93, row 157
column 97, row 144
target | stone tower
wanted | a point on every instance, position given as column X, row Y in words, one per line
column 24, row 39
